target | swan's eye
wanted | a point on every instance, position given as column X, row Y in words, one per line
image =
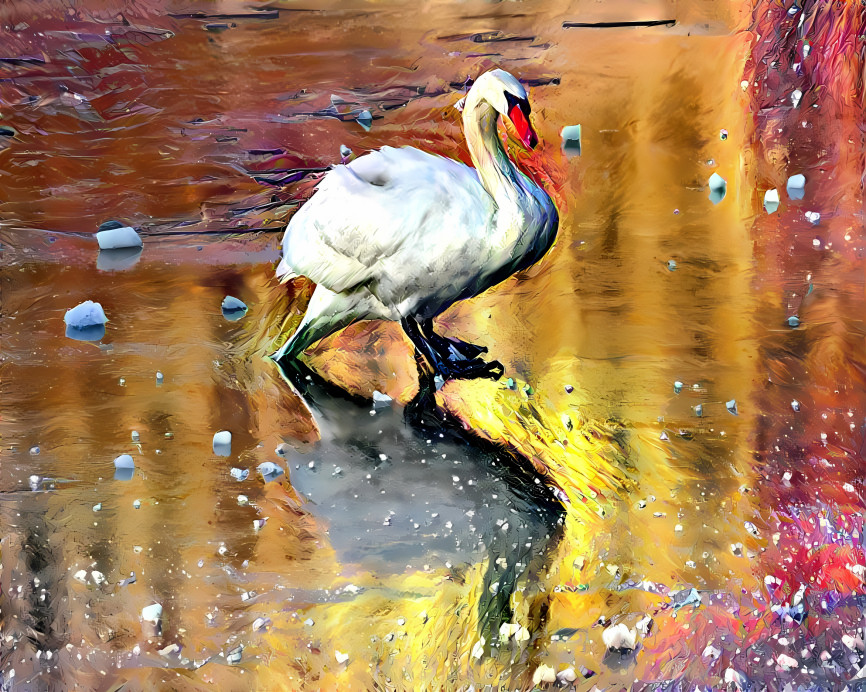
column 516, row 101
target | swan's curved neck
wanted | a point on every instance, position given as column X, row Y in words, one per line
column 498, row 174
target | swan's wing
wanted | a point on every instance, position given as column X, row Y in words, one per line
column 365, row 212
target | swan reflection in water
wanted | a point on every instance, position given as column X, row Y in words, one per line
column 414, row 489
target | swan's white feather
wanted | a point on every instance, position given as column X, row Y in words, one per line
column 414, row 228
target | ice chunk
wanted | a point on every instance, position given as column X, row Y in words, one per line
column 222, row 443
column 233, row 309
column 340, row 656
column 124, row 467
column 365, row 119
column 381, row 400
column 234, row 656
column 260, row 623
column 732, row 406
column 678, row 387
column 793, row 321
column 796, row 97
column 672, row 265
column 795, row 405
column 718, row 188
column 152, row 613
column 619, row 638
column 797, row 186
column 87, row 314
column 771, row 201
column 117, row 238
column 699, row 410
column 135, row 436
column 35, row 451
column 571, row 140
column 270, row 471
column 240, row 474
column 723, row 134
column 813, row 217
column 136, row 504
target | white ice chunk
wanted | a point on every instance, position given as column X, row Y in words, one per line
column 771, row 201
column 222, row 443
column 117, row 238
column 152, row 613
column 270, row 471
column 87, row 314
column 797, row 186
column 571, row 140
column 124, row 461
column 718, row 188
column 365, row 119
column 381, row 400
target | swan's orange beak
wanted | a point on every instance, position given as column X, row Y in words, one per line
column 521, row 123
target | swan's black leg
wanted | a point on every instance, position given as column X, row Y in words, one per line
column 450, row 349
column 424, row 347
column 446, row 364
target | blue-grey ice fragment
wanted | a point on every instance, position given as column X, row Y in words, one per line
column 234, row 656
column 108, row 225
column 672, row 265
column 240, row 474
column 129, row 580
column 732, row 406
column 365, row 119
column 793, row 321
column 117, row 260
column 771, row 201
column 222, row 443
column 813, row 217
column 571, row 140
column 35, row 450
column 795, row 405
column 124, row 466
column 678, row 387
column 699, row 410
column 345, row 152
column 684, row 598
column 718, row 188
column 270, row 471
column 85, row 322
column 117, row 238
column 796, row 97
column 797, row 186
column 381, row 400
column 87, row 314
column 233, row 309
column 160, row 378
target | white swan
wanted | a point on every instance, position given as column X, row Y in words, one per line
column 400, row 234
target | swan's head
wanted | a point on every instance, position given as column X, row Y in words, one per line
column 508, row 97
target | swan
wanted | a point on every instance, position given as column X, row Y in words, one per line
column 401, row 234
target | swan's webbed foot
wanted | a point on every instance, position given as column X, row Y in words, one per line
column 448, row 348
column 450, row 358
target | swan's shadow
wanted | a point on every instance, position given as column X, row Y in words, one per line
column 419, row 490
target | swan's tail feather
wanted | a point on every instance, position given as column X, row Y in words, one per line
column 284, row 272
